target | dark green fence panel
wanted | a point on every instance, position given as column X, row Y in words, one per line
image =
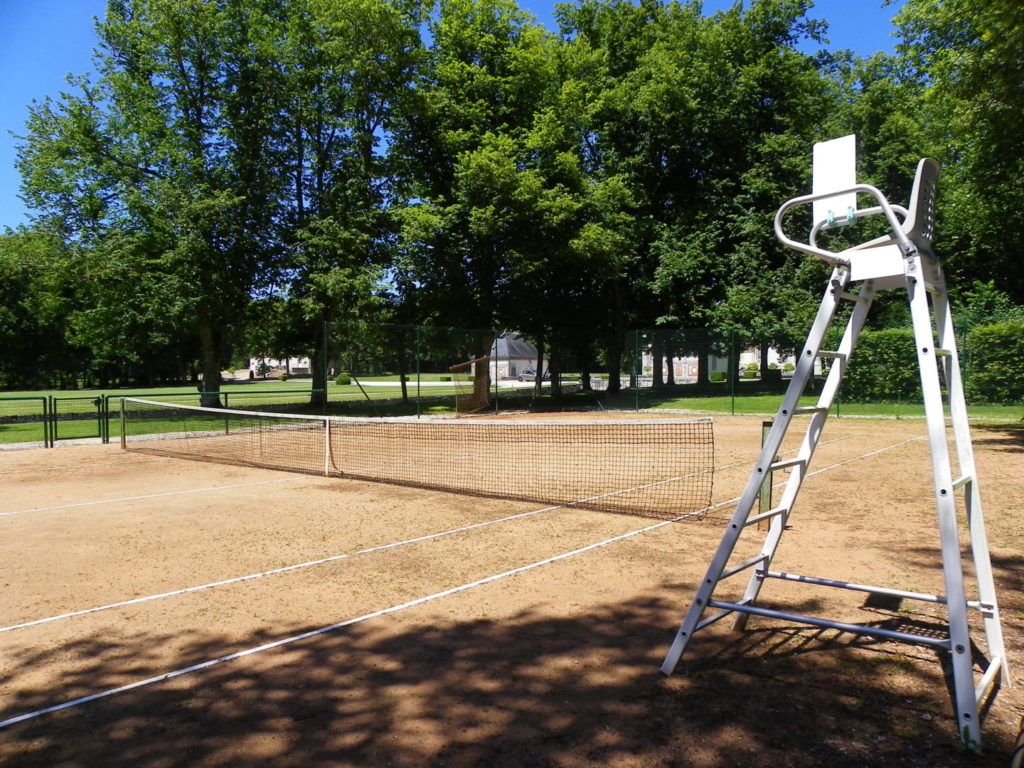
column 272, row 401
column 25, row 420
column 76, row 418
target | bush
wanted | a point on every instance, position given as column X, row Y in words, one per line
column 788, row 367
column 752, row 367
column 283, row 377
column 445, row 378
column 749, row 374
column 995, row 369
column 716, row 377
column 343, row 379
column 883, row 368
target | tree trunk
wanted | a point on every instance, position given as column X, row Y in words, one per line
column 555, row 368
column 657, row 361
column 615, row 365
column 703, row 352
column 318, row 370
column 209, row 348
column 482, row 373
column 539, row 379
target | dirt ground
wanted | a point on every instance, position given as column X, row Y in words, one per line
column 389, row 626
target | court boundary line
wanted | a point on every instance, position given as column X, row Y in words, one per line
column 144, row 497
column 400, row 606
column 347, row 555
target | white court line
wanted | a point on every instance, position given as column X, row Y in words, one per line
column 335, row 558
column 399, row 607
column 154, row 496
column 36, row 468
column 276, row 571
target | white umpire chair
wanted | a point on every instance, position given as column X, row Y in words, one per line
column 902, row 260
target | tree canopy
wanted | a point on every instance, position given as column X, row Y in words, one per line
column 238, row 173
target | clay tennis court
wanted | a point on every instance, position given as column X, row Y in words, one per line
column 163, row 612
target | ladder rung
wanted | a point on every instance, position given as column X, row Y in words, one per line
column 851, row 296
column 742, row 566
column 831, row 353
column 943, row 352
column 765, row 515
column 811, row 409
column 960, row 482
column 786, row 463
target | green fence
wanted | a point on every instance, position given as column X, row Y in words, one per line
column 25, row 420
column 388, row 369
column 415, row 369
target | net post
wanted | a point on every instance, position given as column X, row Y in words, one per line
column 764, row 498
column 418, row 390
column 327, row 447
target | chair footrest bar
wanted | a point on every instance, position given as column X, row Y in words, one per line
column 920, row 596
column 855, row 629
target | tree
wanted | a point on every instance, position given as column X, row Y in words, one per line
column 708, row 121
column 489, row 70
column 160, row 166
column 966, row 55
column 346, row 65
column 36, row 296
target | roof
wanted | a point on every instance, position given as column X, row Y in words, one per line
column 512, row 345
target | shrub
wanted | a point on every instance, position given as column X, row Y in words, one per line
column 749, row 374
column 283, row 377
column 445, row 378
column 883, row 368
column 788, row 367
column 716, row 376
column 752, row 367
column 343, row 379
column 995, row 369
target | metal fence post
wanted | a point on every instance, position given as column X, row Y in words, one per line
column 733, row 370
column 418, row 390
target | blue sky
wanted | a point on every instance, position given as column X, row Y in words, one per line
column 47, row 39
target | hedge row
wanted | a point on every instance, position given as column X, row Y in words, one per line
column 884, row 366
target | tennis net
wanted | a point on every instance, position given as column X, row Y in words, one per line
column 655, row 468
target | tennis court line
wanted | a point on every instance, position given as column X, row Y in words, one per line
column 276, row 571
column 336, row 558
column 30, row 467
column 403, row 606
column 153, row 496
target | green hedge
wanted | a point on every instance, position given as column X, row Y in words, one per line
column 995, row 357
column 883, row 368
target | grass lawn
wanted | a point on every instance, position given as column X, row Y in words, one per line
column 21, row 412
